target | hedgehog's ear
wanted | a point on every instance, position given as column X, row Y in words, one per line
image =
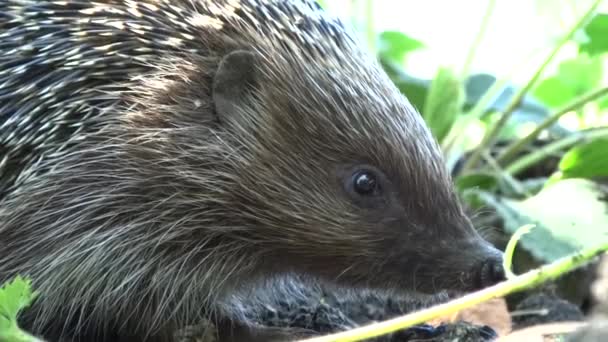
column 233, row 80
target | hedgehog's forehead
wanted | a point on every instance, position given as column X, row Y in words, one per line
column 321, row 68
column 349, row 89
column 352, row 103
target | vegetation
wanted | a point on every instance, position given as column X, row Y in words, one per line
column 507, row 146
column 15, row 296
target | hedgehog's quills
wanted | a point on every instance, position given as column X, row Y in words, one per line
column 159, row 157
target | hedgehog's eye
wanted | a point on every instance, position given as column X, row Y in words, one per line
column 365, row 183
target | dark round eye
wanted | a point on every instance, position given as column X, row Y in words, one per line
column 365, row 183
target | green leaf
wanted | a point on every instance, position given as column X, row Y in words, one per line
column 553, row 92
column 596, row 31
column 589, row 160
column 530, row 110
column 575, row 77
column 469, row 186
column 15, row 296
column 477, row 181
column 395, row 45
column 569, row 215
column 444, row 102
column 582, row 73
column 603, row 103
column 415, row 89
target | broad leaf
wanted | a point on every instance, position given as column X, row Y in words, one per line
column 444, row 102
column 395, row 45
column 575, row 77
column 530, row 110
column 585, row 161
column 569, row 215
column 15, row 296
column 415, row 89
column 469, row 186
column 597, row 41
column 477, row 181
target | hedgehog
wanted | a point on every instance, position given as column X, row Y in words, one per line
column 162, row 157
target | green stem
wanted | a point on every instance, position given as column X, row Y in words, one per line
column 510, row 249
column 517, row 283
column 546, row 151
column 511, row 151
column 369, row 26
column 510, row 180
column 478, row 38
column 476, row 112
column 492, row 134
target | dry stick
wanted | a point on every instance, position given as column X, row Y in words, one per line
column 511, row 151
column 492, row 134
column 517, row 283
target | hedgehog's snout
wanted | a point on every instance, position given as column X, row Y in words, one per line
column 490, row 270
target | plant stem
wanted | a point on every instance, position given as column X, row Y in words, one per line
column 512, row 150
column 510, row 249
column 524, row 162
column 478, row 110
column 509, row 179
column 478, row 38
column 370, row 25
column 492, row 134
column 518, row 283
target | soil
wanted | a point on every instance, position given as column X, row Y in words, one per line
column 333, row 315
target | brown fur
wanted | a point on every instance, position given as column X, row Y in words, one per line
column 168, row 181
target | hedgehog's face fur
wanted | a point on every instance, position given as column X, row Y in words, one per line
column 344, row 177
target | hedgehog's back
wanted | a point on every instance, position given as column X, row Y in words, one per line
column 67, row 65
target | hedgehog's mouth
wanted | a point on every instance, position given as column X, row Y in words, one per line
column 453, row 294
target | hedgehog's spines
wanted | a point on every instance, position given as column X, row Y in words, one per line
column 101, row 45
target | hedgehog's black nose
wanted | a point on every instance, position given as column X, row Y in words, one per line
column 491, row 272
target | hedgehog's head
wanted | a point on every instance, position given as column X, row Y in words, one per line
column 343, row 176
